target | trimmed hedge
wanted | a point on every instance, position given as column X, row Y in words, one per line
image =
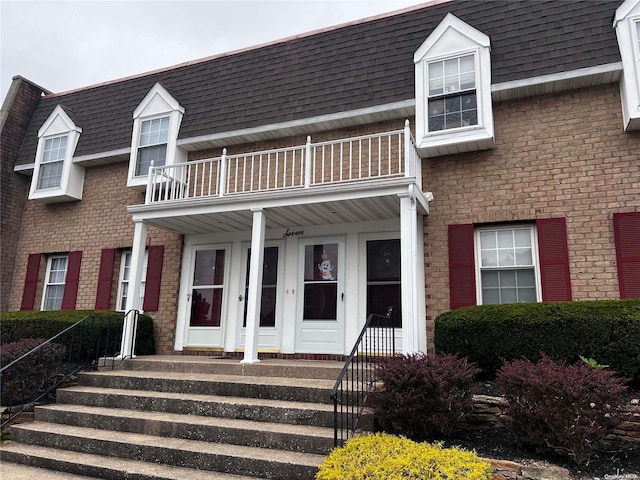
column 46, row 324
column 607, row 331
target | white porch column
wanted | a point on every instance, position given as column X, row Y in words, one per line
column 135, row 279
column 409, row 274
column 254, row 295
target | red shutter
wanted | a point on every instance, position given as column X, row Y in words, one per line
column 462, row 268
column 105, row 279
column 554, row 260
column 154, row 274
column 31, row 282
column 71, row 281
column 626, row 228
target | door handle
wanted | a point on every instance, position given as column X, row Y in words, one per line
column 342, row 296
column 240, row 298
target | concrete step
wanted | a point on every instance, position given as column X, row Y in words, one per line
column 176, row 452
column 245, row 408
column 19, row 462
column 321, row 370
column 275, row 388
column 295, row 438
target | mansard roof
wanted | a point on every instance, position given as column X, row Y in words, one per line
column 359, row 65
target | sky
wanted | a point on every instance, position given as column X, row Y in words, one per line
column 64, row 45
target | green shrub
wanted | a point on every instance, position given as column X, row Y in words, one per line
column 607, row 330
column 423, row 395
column 103, row 324
column 566, row 408
column 385, row 457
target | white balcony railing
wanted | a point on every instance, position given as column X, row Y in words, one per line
column 364, row 158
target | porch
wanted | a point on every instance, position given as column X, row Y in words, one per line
column 286, row 194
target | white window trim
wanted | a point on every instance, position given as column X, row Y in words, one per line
column 625, row 20
column 48, row 283
column 58, row 124
column 158, row 103
column 453, row 38
column 122, row 281
column 534, row 253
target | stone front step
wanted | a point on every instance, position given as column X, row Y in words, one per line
column 274, row 388
column 70, row 465
column 244, row 408
column 218, row 457
column 294, row 438
column 218, row 418
column 320, row 370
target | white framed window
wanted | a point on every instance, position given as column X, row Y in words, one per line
column 52, row 162
column 54, row 282
column 55, row 177
column 154, row 135
column 124, row 282
column 452, row 100
column 156, row 122
column 627, row 25
column 508, row 269
column 453, row 90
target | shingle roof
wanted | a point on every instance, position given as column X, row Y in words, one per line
column 355, row 66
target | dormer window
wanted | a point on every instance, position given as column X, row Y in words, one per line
column 55, row 177
column 452, row 93
column 627, row 24
column 453, row 90
column 153, row 144
column 52, row 162
column 156, row 122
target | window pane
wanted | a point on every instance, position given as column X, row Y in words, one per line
column 489, row 258
column 321, row 262
column 488, row 240
column 526, row 278
column 58, row 270
column 524, row 256
column 54, row 149
column 451, row 67
column 209, row 267
column 50, row 175
column 467, row 64
column 436, row 107
column 505, row 238
column 490, row 279
column 522, row 238
column 469, row 102
column 153, row 132
column 453, row 120
column 508, row 295
column 53, row 300
column 490, row 296
column 469, row 118
column 206, row 306
column 320, row 300
column 157, row 155
column 436, row 123
column 506, row 258
column 527, row 295
column 507, row 279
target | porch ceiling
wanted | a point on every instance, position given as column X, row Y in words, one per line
column 289, row 209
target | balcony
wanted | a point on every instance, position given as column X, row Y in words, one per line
column 348, row 180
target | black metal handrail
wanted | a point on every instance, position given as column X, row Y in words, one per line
column 357, row 378
column 34, row 376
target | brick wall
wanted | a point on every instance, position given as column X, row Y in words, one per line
column 563, row 155
column 99, row 221
column 21, row 101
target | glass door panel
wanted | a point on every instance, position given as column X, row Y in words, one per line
column 321, row 274
column 269, row 287
column 207, row 288
column 383, row 278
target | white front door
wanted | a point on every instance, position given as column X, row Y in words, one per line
column 320, row 315
column 206, row 296
column 271, row 301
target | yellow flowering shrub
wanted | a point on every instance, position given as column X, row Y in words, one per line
column 386, row 457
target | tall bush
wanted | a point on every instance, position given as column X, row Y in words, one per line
column 566, row 408
column 607, row 330
column 423, row 395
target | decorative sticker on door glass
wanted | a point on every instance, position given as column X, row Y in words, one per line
column 321, row 262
